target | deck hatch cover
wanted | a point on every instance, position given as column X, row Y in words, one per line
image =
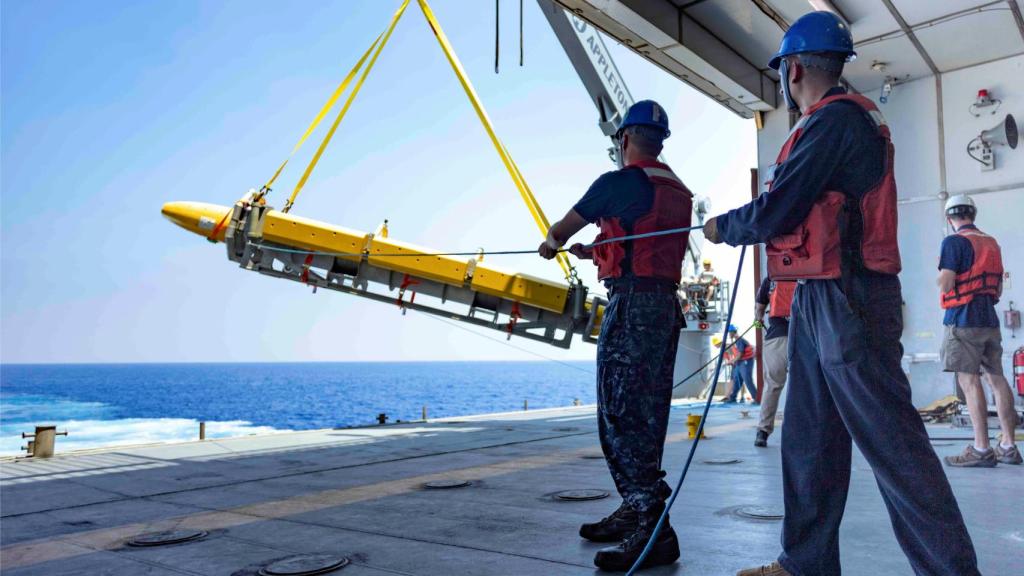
column 166, row 537
column 759, row 513
column 581, row 494
column 722, row 461
column 304, row 565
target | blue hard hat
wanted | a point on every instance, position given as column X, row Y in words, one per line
column 815, row 32
column 646, row 113
column 732, row 328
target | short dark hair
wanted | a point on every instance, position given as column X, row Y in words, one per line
column 830, row 64
column 647, row 139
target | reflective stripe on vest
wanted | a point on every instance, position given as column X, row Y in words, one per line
column 814, row 248
column 656, row 257
column 781, row 300
column 983, row 277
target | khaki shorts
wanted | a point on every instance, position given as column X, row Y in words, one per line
column 972, row 350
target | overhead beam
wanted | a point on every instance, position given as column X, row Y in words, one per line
column 1015, row 8
column 668, row 37
column 770, row 12
column 909, row 32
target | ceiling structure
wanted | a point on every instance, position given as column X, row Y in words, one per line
column 721, row 47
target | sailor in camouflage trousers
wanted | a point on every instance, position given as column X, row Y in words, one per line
column 635, row 358
column 639, row 330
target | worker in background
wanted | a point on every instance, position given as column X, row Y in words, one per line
column 741, row 357
column 776, row 298
column 639, row 331
column 707, row 277
column 828, row 217
column 971, row 282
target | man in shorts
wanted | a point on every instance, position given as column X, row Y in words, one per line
column 971, row 281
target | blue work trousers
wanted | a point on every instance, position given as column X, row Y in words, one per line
column 636, row 353
column 743, row 375
column 846, row 383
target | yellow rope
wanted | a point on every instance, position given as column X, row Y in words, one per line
column 348, row 103
column 323, row 111
column 513, row 170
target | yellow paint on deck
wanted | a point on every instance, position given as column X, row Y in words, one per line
column 72, row 545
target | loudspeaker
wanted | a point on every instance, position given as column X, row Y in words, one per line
column 1004, row 133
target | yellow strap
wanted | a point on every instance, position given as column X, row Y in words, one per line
column 323, row 111
column 513, row 170
column 344, row 109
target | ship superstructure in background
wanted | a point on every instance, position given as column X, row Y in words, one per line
column 944, row 74
column 461, row 287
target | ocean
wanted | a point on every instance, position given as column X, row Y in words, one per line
column 116, row 404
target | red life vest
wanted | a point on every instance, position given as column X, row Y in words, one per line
column 748, row 352
column 814, row 248
column 983, row 277
column 659, row 256
column 781, row 300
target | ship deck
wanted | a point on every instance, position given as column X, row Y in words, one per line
column 359, row 493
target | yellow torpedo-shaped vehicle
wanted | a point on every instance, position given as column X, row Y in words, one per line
column 323, row 255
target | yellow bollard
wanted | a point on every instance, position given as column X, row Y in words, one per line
column 692, row 423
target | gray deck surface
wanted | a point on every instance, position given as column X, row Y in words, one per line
column 358, row 493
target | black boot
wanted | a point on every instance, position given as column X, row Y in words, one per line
column 614, row 528
column 762, row 439
column 621, row 558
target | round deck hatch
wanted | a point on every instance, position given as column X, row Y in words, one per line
column 446, row 484
column 166, row 537
column 305, row 565
column 759, row 513
column 581, row 494
column 721, row 461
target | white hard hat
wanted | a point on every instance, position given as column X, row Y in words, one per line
column 962, row 201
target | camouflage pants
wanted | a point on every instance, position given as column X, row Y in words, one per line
column 636, row 353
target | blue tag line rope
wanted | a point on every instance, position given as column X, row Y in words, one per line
column 478, row 252
column 700, row 427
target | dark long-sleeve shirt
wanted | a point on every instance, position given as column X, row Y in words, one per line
column 840, row 149
column 777, row 325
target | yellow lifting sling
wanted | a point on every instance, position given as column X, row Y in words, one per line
column 376, row 48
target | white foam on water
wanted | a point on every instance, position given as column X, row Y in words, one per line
column 84, row 434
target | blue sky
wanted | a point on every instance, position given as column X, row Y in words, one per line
column 111, row 109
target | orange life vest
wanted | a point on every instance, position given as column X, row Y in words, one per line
column 814, row 248
column 748, row 352
column 983, row 277
column 656, row 257
column 781, row 300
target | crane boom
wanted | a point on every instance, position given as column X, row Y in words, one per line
column 608, row 91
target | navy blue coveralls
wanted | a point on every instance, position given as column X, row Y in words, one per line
column 636, row 353
column 845, row 374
